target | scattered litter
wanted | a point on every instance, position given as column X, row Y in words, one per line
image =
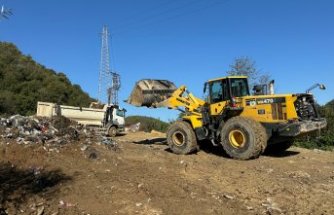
column 132, row 128
column 249, row 208
column 227, row 196
column 28, row 130
column 52, row 133
column 83, row 147
column 65, row 204
column 110, row 144
column 298, row 174
column 40, row 211
column 271, row 206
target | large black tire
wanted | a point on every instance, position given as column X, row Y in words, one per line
column 243, row 138
column 181, row 138
column 112, row 131
column 278, row 148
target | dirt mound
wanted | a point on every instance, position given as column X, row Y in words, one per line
column 137, row 174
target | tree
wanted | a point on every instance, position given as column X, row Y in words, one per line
column 23, row 82
column 246, row 66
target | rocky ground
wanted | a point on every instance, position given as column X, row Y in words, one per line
column 137, row 174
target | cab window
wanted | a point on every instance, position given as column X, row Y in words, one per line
column 239, row 87
column 218, row 91
column 120, row 113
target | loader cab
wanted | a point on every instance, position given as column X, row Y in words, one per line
column 223, row 90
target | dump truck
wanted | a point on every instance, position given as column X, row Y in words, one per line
column 244, row 125
column 110, row 119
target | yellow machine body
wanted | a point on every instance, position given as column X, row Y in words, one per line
column 269, row 110
column 244, row 125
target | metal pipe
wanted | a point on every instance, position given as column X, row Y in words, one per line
column 271, row 87
column 321, row 87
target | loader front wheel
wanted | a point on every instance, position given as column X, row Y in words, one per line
column 243, row 138
column 181, row 138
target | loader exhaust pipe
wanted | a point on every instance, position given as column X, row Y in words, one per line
column 271, row 87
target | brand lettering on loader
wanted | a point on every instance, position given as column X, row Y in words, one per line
column 253, row 102
column 265, row 101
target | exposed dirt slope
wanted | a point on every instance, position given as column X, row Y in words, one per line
column 145, row 178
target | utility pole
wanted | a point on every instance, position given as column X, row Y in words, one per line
column 116, row 85
column 104, row 73
column 5, row 12
column 109, row 81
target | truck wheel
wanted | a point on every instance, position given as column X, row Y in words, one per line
column 278, row 148
column 243, row 138
column 112, row 131
column 181, row 138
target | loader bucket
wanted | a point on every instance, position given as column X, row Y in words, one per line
column 149, row 92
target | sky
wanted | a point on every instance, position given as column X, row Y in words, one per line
column 184, row 41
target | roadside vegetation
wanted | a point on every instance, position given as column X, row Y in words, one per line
column 147, row 124
column 23, row 82
column 324, row 140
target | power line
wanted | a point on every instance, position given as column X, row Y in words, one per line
column 134, row 17
column 156, row 16
column 168, row 18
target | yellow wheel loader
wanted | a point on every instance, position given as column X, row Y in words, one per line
column 244, row 125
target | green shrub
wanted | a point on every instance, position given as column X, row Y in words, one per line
column 23, row 82
column 326, row 140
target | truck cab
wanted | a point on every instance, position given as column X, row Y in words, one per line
column 114, row 120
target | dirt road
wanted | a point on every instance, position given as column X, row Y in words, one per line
column 145, row 178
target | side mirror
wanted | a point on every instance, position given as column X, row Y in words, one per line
column 205, row 86
column 321, row 87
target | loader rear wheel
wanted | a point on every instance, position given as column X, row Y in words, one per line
column 112, row 131
column 181, row 138
column 243, row 138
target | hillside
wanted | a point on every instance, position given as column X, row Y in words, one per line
column 147, row 123
column 23, row 82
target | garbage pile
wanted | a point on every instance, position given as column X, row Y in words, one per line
column 133, row 128
column 38, row 130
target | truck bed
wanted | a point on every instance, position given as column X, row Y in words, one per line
column 83, row 115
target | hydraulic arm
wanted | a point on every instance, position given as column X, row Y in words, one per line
column 183, row 98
